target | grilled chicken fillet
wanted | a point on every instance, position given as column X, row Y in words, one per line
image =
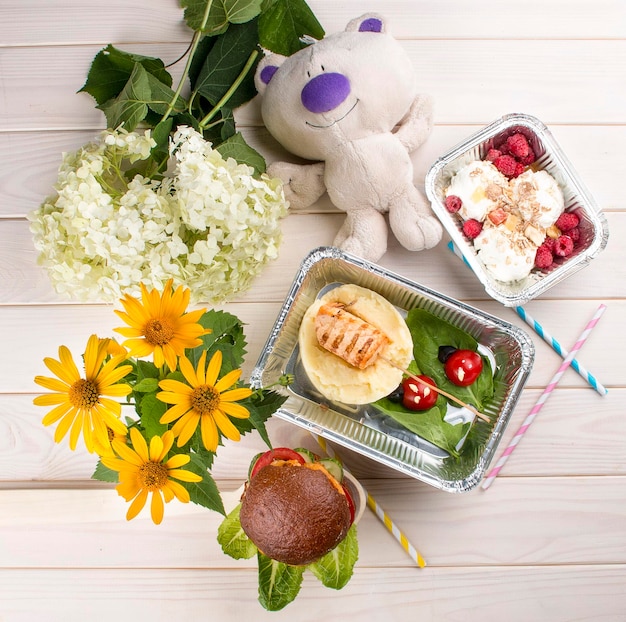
column 344, row 334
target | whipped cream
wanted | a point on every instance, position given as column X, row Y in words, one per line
column 507, row 255
column 480, row 186
column 538, row 197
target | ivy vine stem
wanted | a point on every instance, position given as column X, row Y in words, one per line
column 233, row 87
column 197, row 35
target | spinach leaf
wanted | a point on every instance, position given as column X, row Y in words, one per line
column 428, row 333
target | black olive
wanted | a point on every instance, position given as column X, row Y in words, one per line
column 445, row 352
column 396, row 395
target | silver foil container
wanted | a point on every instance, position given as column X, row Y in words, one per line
column 365, row 430
column 550, row 157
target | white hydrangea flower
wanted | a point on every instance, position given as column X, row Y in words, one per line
column 209, row 224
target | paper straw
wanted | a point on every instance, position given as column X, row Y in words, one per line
column 547, row 337
column 543, row 398
column 373, row 505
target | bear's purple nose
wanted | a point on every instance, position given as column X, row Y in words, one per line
column 325, row 92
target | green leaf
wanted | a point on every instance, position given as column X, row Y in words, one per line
column 146, row 369
column 111, row 68
column 224, row 64
column 262, row 405
column 161, row 135
column 147, row 385
column 104, row 474
column 335, row 569
column 237, row 148
column 233, row 539
column 161, row 96
column 428, row 424
column 283, row 22
column 428, row 333
column 129, row 108
column 151, row 410
column 221, row 13
column 279, row 583
column 205, row 492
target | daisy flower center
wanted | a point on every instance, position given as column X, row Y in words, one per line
column 84, row 394
column 153, row 475
column 158, row 332
column 205, row 399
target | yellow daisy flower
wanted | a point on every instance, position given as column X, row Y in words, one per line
column 204, row 400
column 79, row 403
column 107, row 449
column 144, row 470
column 158, row 325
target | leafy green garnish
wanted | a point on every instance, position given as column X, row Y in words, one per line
column 428, row 333
column 335, row 569
column 279, row 583
column 232, row 538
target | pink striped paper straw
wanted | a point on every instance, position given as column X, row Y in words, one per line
column 543, row 398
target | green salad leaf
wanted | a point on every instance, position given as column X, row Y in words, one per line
column 279, row 583
column 428, row 333
column 233, row 539
column 335, row 569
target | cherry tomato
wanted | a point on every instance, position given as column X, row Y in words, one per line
column 417, row 396
column 463, row 367
column 278, row 453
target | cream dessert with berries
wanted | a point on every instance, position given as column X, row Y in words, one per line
column 511, row 212
column 538, row 197
column 480, row 186
column 507, row 255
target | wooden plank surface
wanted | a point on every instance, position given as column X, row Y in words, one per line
column 546, row 543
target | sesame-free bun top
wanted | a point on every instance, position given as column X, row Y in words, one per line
column 336, row 379
column 293, row 513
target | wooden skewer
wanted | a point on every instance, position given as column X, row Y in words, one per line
column 437, row 390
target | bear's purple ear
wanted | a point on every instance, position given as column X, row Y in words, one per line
column 266, row 69
column 370, row 22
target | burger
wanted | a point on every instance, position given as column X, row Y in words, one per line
column 296, row 513
column 293, row 508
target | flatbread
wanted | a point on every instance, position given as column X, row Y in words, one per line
column 339, row 381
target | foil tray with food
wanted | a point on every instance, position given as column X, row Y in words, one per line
column 403, row 397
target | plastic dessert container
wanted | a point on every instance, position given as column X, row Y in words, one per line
column 550, row 157
column 364, row 429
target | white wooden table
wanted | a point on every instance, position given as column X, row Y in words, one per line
column 547, row 542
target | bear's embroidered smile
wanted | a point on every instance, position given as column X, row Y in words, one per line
column 336, row 120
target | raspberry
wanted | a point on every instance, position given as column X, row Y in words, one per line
column 492, row 154
column 472, row 228
column 563, row 246
column 453, row 203
column 567, row 221
column 549, row 243
column 574, row 234
column 517, row 145
column 543, row 257
column 508, row 166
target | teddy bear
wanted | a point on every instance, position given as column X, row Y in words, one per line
column 349, row 105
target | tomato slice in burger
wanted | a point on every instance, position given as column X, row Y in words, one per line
column 278, row 453
column 350, row 504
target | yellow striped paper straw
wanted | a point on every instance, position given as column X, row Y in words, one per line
column 373, row 505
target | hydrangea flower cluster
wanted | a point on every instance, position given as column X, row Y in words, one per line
column 207, row 223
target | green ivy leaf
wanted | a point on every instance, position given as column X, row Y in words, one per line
column 111, row 69
column 221, row 13
column 283, row 22
column 205, row 492
column 279, row 583
column 104, row 474
column 129, row 108
column 233, row 539
column 237, row 148
column 225, row 62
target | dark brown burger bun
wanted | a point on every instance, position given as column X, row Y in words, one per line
column 294, row 514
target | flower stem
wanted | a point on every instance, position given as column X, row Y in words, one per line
column 197, row 35
column 233, row 87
